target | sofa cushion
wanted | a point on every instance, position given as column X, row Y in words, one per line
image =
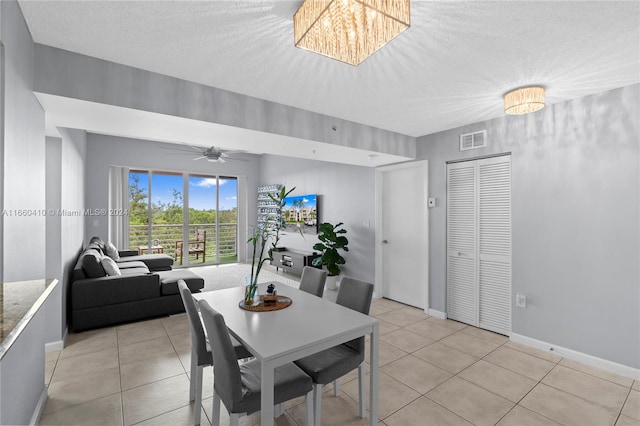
column 169, row 281
column 105, row 291
column 155, row 262
column 110, row 266
column 78, row 273
column 111, row 251
column 135, row 271
column 92, row 264
column 98, row 242
column 134, row 264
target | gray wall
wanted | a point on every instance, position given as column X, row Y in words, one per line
column 346, row 194
column 575, row 196
column 63, row 73
column 2, row 64
column 22, row 238
column 23, row 154
column 72, row 228
column 21, row 374
column 105, row 151
column 53, row 261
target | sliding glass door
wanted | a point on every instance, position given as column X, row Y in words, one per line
column 210, row 222
column 138, row 209
column 155, row 226
column 227, row 232
column 166, row 212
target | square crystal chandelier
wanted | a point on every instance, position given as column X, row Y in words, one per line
column 349, row 30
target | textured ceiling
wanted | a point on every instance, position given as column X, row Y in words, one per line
column 449, row 69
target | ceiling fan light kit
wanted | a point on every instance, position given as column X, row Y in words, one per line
column 349, row 30
column 524, row 100
column 211, row 154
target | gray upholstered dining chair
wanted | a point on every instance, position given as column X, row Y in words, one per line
column 312, row 280
column 200, row 349
column 238, row 386
column 331, row 364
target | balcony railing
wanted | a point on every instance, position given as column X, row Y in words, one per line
column 166, row 236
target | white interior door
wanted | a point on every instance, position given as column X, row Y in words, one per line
column 479, row 243
column 402, row 252
column 462, row 293
column 494, row 244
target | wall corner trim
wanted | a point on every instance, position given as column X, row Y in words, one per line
column 37, row 413
column 437, row 314
column 610, row 366
column 54, row 346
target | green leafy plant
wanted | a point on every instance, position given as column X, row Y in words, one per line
column 331, row 239
column 270, row 231
column 259, row 240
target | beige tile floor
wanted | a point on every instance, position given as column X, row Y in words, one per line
column 432, row 371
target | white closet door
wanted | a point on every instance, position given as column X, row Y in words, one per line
column 461, row 243
column 494, row 244
column 479, row 243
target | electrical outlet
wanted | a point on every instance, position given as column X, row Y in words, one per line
column 521, row 300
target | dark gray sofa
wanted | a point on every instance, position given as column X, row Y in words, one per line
column 141, row 291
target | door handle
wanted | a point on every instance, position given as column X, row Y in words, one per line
column 385, row 242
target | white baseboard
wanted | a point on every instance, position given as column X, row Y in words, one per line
column 57, row 345
column 591, row 360
column 437, row 314
column 37, row 412
column 54, row 346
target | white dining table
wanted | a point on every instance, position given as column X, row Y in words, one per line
column 309, row 325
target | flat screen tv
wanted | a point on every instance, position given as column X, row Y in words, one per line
column 300, row 212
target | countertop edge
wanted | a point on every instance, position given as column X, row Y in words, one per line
column 24, row 321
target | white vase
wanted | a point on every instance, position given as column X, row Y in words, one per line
column 331, row 283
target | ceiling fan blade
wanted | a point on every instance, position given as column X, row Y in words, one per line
column 200, row 158
column 221, row 160
column 195, row 148
column 184, row 153
column 223, row 154
column 175, row 149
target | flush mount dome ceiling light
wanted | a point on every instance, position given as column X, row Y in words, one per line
column 349, row 30
column 524, row 100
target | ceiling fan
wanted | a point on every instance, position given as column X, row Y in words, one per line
column 212, row 154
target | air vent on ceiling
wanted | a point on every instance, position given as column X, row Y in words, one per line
column 473, row 140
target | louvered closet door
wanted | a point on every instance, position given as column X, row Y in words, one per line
column 461, row 243
column 494, row 244
column 479, row 243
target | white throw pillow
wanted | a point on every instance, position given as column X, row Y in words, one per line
column 110, row 266
column 111, row 251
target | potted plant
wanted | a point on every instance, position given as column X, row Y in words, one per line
column 259, row 239
column 331, row 239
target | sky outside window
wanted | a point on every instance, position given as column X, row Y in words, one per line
column 201, row 190
column 202, row 193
